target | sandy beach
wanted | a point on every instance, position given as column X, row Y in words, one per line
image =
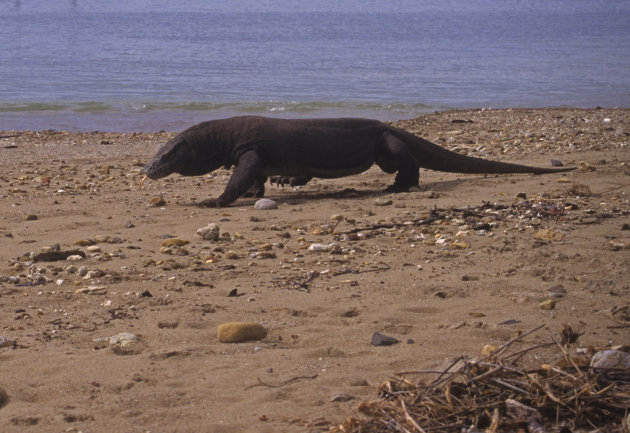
column 462, row 262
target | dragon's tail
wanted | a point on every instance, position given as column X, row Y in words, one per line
column 434, row 157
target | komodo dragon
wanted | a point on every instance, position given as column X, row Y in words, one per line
column 293, row 151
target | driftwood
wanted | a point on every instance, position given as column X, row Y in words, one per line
column 498, row 394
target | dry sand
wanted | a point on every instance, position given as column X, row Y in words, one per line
column 499, row 245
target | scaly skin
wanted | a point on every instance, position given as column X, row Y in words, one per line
column 293, row 151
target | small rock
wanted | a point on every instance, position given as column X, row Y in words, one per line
column 92, row 290
column 383, row 202
column 54, row 255
column 620, row 244
column 457, row 325
column 318, row 248
column 379, row 339
column 557, row 291
column 236, row 332
column 84, row 242
column 605, row 359
column 342, row 397
column 210, row 232
column 101, row 238
column 549, row 235
column 94, row 249
column 174, row 242
column 6, row 342
column 548, row 304
column 556, row 163
column 265, row 204
column 157, row 201
column 488, row 349
column 30, row 217
column 123, row 339
column 96, row 273
column 521, row 195
column 169, row 325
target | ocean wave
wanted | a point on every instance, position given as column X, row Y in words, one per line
column 173, row 116
column 244, row 107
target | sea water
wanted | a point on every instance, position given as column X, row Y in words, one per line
column 162, row 65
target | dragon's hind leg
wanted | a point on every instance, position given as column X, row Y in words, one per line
column 394, row 157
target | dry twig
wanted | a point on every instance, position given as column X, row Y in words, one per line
column 498, row 395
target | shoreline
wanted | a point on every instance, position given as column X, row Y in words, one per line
column 167, row 120
column 494, row 133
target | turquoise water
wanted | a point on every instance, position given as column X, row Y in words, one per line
column 152, row 65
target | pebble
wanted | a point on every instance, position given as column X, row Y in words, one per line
column 266, row 204
column 557, row 291
column 94, row 249
column 101, row 238
column 549, row 235
column 55, row 255
column 6, row 342
column 84, row 242
column 488, row 349
column 605, row 359
column 92, row 290
column 168, row 325
column 123, row 339
column 620, row 244
column 157, row 201
column 174, row 242
column 236, row 332
column 548, row 304
column 379, row 339
column 383, row 202
column 319, row 248
column 342, row 398
column 96, row 273
column 210, row 232
column 30, row 217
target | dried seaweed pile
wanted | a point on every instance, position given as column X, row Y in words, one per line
column 497, row 394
